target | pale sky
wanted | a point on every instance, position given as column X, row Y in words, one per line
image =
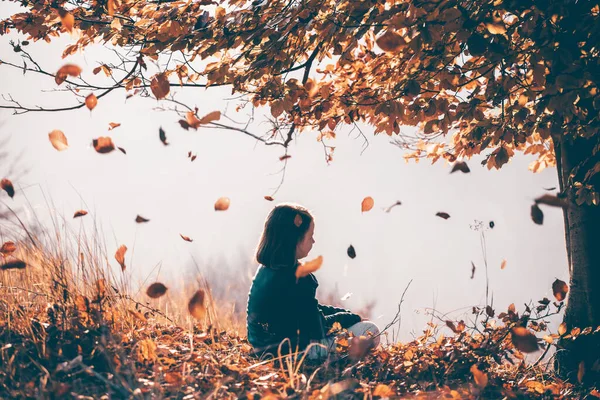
column 161, row 184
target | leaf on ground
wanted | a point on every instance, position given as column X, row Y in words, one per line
column 523, row 339
column 537, row 216
column 13, row 264
column 91, row 101
column 460, row 166
column 382, row 390
column 103, row 144
column 120, row 256
column 139, row 219
column 196, row 305
column 58, row 140
column 156, row 290
column 186, row 238
column 66, row 71
column 8, row 248
column 351, row 252
column 309, row 267
column 560, row 289
column 367, row 204
column 222, row 204
column 8, row 187
column 79, row 213
column 443, row 215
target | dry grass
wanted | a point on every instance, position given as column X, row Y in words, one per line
column 70, row 327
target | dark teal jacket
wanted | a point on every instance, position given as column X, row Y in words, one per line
column 281, row 306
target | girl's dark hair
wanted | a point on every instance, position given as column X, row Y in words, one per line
column 285, row 226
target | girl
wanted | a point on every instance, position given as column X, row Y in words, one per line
column 280, row 306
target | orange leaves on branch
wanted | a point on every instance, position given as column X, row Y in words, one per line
column 8, row 187
column 120, row 256
column 309, row 267
column 160, row 85
column 79, row 213
column 222, row 204
column 8, row 248
column 367, row 204
column 192, row 121
column 66, row 19
column 58, row 140
column 560, row 289
column 523, row 339
column 91, row 101
column 156, row 290
column 390, row 41
column 66, row 71
column 107, row 70
column 197, row 305
column 210, row 117
column 103, row 144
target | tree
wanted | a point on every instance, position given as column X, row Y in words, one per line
column 476, row 77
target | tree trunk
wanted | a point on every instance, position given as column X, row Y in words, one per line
column 582, row 233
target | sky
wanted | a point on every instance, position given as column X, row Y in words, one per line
column 161, row 183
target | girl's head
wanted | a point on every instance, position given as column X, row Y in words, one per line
column 287, row 236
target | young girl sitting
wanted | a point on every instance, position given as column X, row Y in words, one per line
column 280, row 306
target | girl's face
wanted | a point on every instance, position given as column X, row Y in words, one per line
column 305, row 244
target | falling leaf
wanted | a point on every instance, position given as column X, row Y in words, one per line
column 80, row 213
column 139, row 219
column 562, row 329
column 524, row 340
column 8, row 248
column 390, row 41
column 536, row 214
column 269, row 198
column 113, row 125
column 160, row 85
column 397, row 203
column 189, row 154
column 367, row 204
column 581, row 372
column 346, row 296
column 550, row 188
column 122, row 150
column 186, row 238
column 383, row 391
column 284, row 157
column 197, row 306
column 65, row 71
column 103, row 144
column 120, row 256
column 503, row 265
column 8, row 187
column 351, row 252
column 551, row 200
column 91, row 101
column 443, row 215
column 191, row 120
column 156, row 290
column 492, row 224
column 472, row 269
column 13, row 264
column 222, row 204
column 210, row 117
column 298, row 220
column 66, row 19
column 480, row 378
column 560, row 289
column 193, row 158
column 58, row 140
column 309, row 267
column 460, row 166
column 162, row 136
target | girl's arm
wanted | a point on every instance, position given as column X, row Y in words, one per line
column 330, row 310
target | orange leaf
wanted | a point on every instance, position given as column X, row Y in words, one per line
column 503, row 265
column 269, row 198
column 298, row 220
column 80, row 213
column 66, row 70
column 480, row 378
column 186, row 238
column 284, row 157
column 309, row 267
column 91, row 101
column 13, row 264
column 562, row 329
column 139, row 219
column 156, row 290
column 103, row 144
column 113, row 125
column 219, row 13
column 8, row 248
column 382, row 390
column 191, row 120
column 8, row 187
column 110, row 7
column 581, row 372
column 560, row 289
column 222, row 204
column 58, row 140
column 196, row 305
column 523, row 340
column 160, row 85
column 367, row 204
column 66, row 19
column 390, row 41
column 210, row 117
column 120, row 256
